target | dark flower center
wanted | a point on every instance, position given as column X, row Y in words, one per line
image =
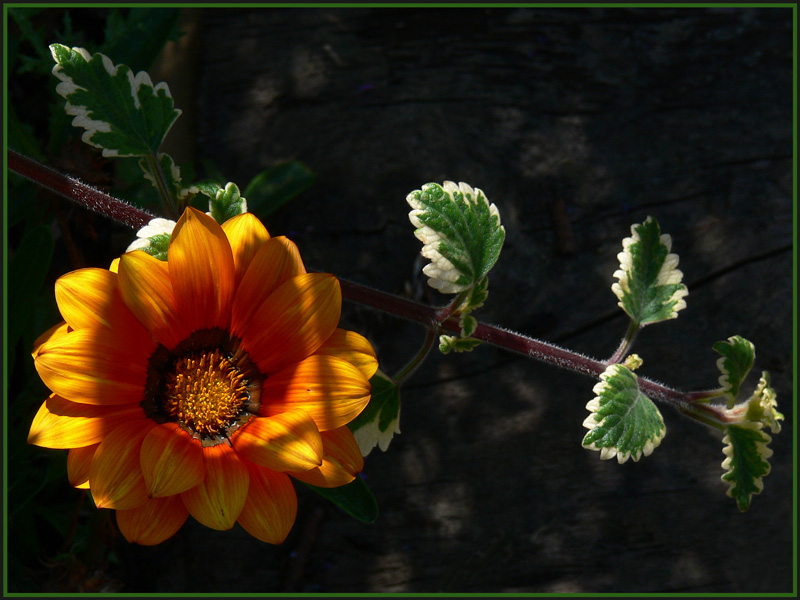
column 207, row 385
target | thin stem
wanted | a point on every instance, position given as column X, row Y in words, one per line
column 170, row 203
column 78, row 192
column 625, row 345
column 434, row 319
column 412, row 365
column 431, row 336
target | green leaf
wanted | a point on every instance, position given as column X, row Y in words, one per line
column 746, row 461
column 154, row 238
column 137, row 38
column 738, row 355
column 123, row 114
column 275, row 186
column 225, row 203
column 355, row 499
column 377, row 424
column 460, row 231
column 27, row 270
column 454, row 343
column 622, row 422
column 763, row 405
column 649, row 287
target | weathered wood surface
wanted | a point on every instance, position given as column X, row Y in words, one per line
column 577, row 123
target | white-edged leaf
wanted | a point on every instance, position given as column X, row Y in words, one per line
column 122, row 113
column 460, row 232
column 738, row 356
column 746, row 461
column 154, row 238
column 377, row 424
column 762, row 407
column 623, row 422
column 454, row 343
column 649, row 287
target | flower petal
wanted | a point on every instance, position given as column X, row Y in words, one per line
column 79, row 464
column 95, row 366
column 60, row 423
column 171, row 461
column 146, row 289
column 55, row 332
column 329, row 389
column 219, row 499
column 341, row 462
column 156, row 520
column 115, row 476
column 286, row 442
column 271, row 507
column 352, row 347
column 276, row 262
column 91, row 298
column 246, row 234
column 201, row 270
column 293, row 322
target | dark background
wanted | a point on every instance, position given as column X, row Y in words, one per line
column 576, row 123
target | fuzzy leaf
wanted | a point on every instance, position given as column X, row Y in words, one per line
column 763, row 405
column 123, row 114
column 649, row 287
column 746, row 461
column 460, row 232
column 623, row 422
column 454, row 343
column 154, row 238
column 738, row 356
column 224, row 203
column 377, row 424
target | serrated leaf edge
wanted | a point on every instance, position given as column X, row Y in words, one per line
column 764, row 452
column 725, row 377
column 668, row 274
column 443, row 274
column 592, row 422
column 81, row 113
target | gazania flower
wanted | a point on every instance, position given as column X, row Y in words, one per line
column 200, row 384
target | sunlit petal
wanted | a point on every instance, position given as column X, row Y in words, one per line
column 276, row 262
column 91, row 298
column 60, row 423
column 294, row 321
column 341, row 462
column 115, row 476
column 246, row 234
column 156, row 520
column 79, row 464
column 171, row 461
column 271, row 507
column 218, row 500
column 201, row 270
column 352, row 347
column 95, row 366
column 329, row 389
column 146, row 289
column 289, row 441
column 55, row 332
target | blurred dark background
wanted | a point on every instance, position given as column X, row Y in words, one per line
column 577, row 123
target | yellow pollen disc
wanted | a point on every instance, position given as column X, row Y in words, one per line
column 205, row 392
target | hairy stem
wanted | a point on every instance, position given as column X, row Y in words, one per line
column 434, row 319
column 78, row 192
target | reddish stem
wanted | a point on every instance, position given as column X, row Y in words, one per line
column 430, row 317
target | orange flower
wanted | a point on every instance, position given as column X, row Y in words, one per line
column 198, row 385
